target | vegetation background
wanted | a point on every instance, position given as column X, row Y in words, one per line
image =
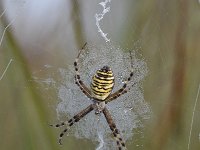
column 167, row 34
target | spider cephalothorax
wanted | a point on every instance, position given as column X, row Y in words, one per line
column 101, row 87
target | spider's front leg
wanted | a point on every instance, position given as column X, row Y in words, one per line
column 115, row 131
column 121, row 91
column 124, row 88
column 78, row 80
column 73, row 120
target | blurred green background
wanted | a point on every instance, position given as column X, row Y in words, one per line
column 166, row 33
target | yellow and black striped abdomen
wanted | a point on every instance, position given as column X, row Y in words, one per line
column 102, row 83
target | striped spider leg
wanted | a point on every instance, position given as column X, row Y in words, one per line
column 78, row 80
column 121, row 91
column 124, row 88
column 115, row 131
column 73, row 120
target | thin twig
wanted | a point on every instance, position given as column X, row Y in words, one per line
column 191, row 125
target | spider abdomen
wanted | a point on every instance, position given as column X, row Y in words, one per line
column 102, row 83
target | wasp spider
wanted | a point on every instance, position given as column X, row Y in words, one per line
column 100, row 93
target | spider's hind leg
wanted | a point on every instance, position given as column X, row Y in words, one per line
column 120, row 142
column 73, row 120
column 67, row 123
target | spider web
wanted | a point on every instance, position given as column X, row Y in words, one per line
column 129, row 111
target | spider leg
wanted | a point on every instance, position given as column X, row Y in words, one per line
column 124, row 88
column 78, row 80
column 115, row 131
column 73, row 120
column 121, row 91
